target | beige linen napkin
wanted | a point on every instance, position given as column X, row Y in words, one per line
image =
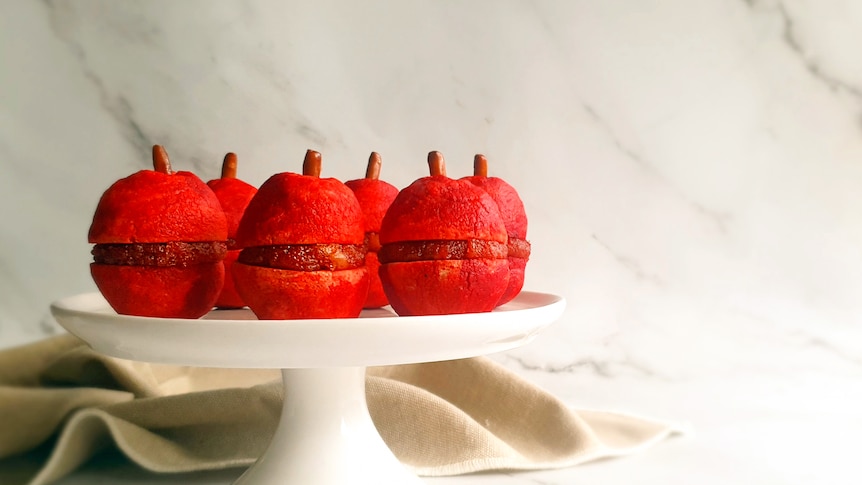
column 63, row 401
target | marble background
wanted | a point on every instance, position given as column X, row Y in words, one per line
column 691, row 169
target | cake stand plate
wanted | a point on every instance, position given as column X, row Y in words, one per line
column 325, row 435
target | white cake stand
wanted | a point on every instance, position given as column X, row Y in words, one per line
column 325, row 436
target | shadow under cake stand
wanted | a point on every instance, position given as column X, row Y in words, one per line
column 325, row 435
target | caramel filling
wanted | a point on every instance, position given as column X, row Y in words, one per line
column 372, row 241
column 518, row 248
column 173, row 253
column 406, row 251
column 305, row 257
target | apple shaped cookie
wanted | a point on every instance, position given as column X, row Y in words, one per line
column 303, row 250
column 443, row 247
column 160, row 238
column 375, row 196
column 514, row 218
column 233, row 195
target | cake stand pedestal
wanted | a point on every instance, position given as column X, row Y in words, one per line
column 325, row 435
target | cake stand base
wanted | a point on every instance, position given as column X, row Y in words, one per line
column 326, row 436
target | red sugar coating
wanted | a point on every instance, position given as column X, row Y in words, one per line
column 298, row 209
column 170, row 292
column 516, row 280
column 440, row 208
column 514, row 217
column 445, row 286
column 150, row 206
column 229, row 297
column 375, row 196
column 280, row 294
column 234, row 196
column 507, row 199
column 376, row 296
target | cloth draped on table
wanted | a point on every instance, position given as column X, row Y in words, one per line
column 444, row 418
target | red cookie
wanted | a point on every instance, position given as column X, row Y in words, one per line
column 515, row 219
column 443, row 247
column 233, row 195
column 375, row 196
column 303, row 249
column 160, row 239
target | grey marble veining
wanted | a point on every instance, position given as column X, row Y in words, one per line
column 691, row 171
